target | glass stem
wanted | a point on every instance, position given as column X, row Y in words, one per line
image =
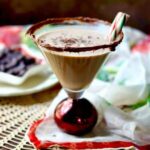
column 74, row 94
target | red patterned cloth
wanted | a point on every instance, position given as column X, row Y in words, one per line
column 143, row 46
column 82, row 145
column 10, row 35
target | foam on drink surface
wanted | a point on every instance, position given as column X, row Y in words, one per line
column 73, row 37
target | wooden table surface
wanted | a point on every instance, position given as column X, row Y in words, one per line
column 17, row 114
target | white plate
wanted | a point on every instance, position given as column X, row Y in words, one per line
column 36, row 79
column 32, row 85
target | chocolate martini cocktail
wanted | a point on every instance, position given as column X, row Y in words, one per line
column 75, row 48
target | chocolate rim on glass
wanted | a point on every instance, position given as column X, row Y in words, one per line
column 75, row 61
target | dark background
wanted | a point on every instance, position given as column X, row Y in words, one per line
column 31, row 11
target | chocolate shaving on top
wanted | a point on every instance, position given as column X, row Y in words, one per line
column 69, row 41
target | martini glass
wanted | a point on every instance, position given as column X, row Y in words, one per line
column 75, row 68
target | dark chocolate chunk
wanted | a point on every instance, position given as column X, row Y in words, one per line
column 16, row 70
column 11, row 63
column 14, row 62
column 2, row 68
column 29, row 61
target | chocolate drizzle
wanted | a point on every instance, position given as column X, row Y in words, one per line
column 72, row 21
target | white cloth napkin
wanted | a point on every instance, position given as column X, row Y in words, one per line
column 131, row 83
column 113, row 124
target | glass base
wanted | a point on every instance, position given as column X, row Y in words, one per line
column 75, row 116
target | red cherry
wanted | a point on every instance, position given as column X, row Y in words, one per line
column 75, row 116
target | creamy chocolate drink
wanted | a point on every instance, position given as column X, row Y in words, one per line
column 75, row 70
column 75, row 49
